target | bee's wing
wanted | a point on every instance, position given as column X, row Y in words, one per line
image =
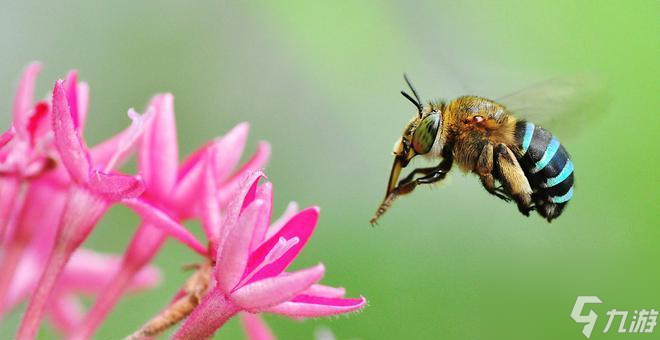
column 562, row 105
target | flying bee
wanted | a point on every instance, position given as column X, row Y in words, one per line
column 515, row 159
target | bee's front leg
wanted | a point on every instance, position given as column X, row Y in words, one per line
column 408, row 184
column 431, row 175
column 411, row 176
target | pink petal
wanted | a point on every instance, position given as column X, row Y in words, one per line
column 116, row 187
column 66, row 311
column 83, row 105
column 255, row 327
column 189, row 177
column 33, row 234
column 256, row 162
column 247, row 194
column 24, row 280
column 308, row 306
column 159, row 219
column 24, row 95
column 250, row 196
column 37, row 224
column 231, row 261
column 188, row 188
column 229, row 187
column 72, row 150
column 6, row 136
column 144, row 245
column 159, row 156
column 301, row 226
column 10, row 187
column 89, row 272
column 325, row 291
column 194, row 159
column 127, row 143
column 243, row 198
column 290, row 211
column 272, row 291
column 210, row 210
column 146, row 278
column 265, row 193
column 71, row 88
column 103, row 152
column 230, row 149
column 192, row 180
column 38, row 124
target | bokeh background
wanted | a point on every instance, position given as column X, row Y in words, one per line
column 320, row 81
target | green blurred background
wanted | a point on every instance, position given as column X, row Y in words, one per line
column 320, row 82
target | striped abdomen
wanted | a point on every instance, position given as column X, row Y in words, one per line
column 548, row 168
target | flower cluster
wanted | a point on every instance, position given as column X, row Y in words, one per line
column 54, row 189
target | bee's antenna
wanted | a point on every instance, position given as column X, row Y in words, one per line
column 418, row 102
column 412, row 100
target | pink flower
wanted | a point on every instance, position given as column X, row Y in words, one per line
column 249, row 270
column 171, row 188
column 29, row 179
column 89, row 196
column 93, row 188
column 53, row 191
column 23, row 153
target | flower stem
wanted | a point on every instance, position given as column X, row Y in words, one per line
column 82, row 212
column 211, row 314
column 32, row 317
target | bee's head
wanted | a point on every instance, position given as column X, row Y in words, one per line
column 419, row 136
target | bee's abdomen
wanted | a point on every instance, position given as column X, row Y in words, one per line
column 548, row 168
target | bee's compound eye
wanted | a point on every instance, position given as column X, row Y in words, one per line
column 425, row 133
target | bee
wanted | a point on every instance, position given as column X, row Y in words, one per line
column 515, row 159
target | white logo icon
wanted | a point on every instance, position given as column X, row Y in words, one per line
column 590, row 319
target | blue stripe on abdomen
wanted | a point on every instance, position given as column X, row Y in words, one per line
column 565, row 172
column 563, row 198
column 527, row 138
column 550, row 151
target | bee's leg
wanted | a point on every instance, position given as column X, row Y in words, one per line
column 439, row 172
column 513, row 178
column 485, row 172
column 412, row 174
column 431, row 174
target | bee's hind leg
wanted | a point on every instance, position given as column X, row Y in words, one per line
column 513, row 178
column 485, row 172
